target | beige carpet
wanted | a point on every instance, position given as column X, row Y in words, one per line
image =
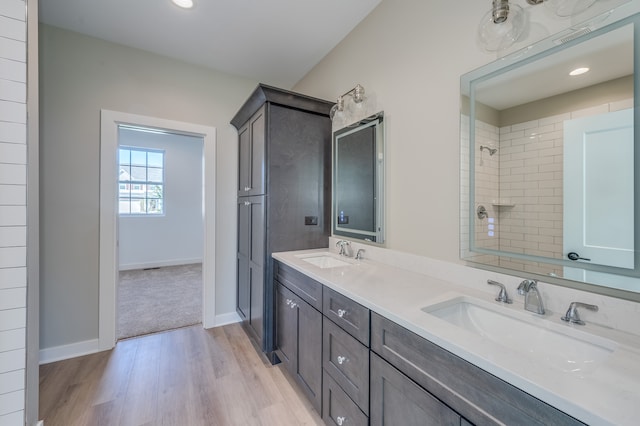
column 159, row 299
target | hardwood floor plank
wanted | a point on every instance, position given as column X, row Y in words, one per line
column 188, row 376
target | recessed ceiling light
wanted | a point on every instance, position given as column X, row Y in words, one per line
column 185, row 4
column 578, row 71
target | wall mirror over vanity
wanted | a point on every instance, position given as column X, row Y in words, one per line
column 549, row 169
column 358, row 180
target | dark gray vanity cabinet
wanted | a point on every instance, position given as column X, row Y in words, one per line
column 476, row 395
column 298, row 337
column 284, row 194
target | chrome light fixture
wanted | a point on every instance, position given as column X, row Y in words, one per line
column 357, row 93
column 505, row 23
column 501, row 26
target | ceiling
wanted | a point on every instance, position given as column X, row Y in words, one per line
column 275, row 42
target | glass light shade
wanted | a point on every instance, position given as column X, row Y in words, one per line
column 494, row 36
column 566, row 8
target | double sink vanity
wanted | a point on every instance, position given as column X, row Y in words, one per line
column 382, row 344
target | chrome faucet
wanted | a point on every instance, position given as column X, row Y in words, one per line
column 359, row 254
column 345, row 248
column 572, row 313
column 532, row 297
column 502, row 296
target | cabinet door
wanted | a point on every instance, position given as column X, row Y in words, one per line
column 309, row 359
column 251, row 155
column 250, row 273
column 397, row 400
column 286, row 339
column 298, row 342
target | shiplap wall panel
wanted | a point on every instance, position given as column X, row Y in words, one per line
column 13, row 211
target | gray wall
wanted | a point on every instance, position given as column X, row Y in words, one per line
column 79, row 76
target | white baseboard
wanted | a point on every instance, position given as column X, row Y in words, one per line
column 159, row 264
column 225, row 319
column 59, row 353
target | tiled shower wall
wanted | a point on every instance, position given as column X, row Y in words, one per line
column 13, row 176
column 525, row 204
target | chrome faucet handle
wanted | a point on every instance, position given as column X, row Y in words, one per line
column 343, row 244
column 502, row 296
column 572, row 315
column 359, row 254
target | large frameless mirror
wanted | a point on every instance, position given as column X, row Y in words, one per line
column 358, row 180
column 549, row 184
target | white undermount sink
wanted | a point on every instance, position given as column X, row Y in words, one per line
column 324, row 260
column 554, row 345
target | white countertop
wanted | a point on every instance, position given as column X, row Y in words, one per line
column 608, row 394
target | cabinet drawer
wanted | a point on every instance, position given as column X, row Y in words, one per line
column 397, row 400
column 347, row 361
column 337, row 408
column 349, row 315
column 475, row 394
column 307, row 288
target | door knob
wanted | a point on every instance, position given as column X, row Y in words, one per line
column 575, row 256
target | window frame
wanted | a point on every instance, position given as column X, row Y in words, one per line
column 142, row 185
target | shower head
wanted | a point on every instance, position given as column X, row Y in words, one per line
column 491, row 150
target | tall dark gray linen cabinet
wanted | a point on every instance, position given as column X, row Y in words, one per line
column 284, row 194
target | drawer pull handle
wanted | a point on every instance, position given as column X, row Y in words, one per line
column 340, row 420
column 288, row 302
column 293, row 305
column 341, row 359
column 341, row 313
column 247, row 203
column 247, row 188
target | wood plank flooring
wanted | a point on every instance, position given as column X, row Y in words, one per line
column 188, row 376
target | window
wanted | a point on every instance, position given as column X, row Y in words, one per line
column 141, row 181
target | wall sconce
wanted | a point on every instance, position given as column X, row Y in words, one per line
column 503, row 25
column 357, row 93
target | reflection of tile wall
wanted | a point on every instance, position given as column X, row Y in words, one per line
column 531, row 157
column 521, row 188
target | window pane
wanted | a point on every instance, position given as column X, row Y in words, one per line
column 141, row 176
column 154, row 174
column 138, row 158
column 155, row 159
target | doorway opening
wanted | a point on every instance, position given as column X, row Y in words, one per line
column 160, row 230
column 111, row 124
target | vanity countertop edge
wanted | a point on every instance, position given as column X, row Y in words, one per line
column 608, row 395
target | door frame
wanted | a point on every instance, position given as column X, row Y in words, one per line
column 109, row 122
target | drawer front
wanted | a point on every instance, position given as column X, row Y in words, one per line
column 397, row 400
column 337, row 408
column 475, row 394
column 349, row 315
column 346, row 360
column 307, row 288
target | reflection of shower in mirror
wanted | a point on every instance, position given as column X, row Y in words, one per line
column 491, row 150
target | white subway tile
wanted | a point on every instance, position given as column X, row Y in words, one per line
column 13, row 298
column 13, row 277
column 13, row 318
column 12, row 360
column 12, row 216
column 13, row 236
column 12, row 339
column 13, row 91
column 13, row 132
column 13, row 70
column 599, row 109
column 11, row 381
column 15, row 9
column 11, row 402
column 15, row 112
column 620, row 105
column 13, row 153
column 12, row 257
column 15, row 29
column 13, row 174
column 526, row 125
